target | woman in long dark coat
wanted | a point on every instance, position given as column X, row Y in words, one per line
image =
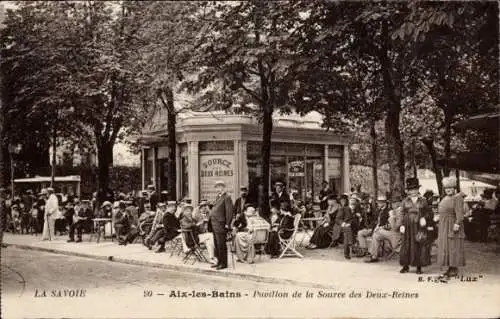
column 417, row 217
column 451, row 229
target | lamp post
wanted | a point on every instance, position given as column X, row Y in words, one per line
column 14, row 149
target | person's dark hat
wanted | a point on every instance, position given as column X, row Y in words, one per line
column 412, row 183
column 243, row 187
column 344, row 197
column 122, row 204
column 325, row 182
column 187, row 200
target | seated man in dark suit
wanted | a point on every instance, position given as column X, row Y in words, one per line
column 170, row 228
column 81, row 219
column 122, row 224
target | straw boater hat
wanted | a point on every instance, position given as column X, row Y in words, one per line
column 203, row 202
column 43, row 191
column 382, row 198
column 278, row 184
column 221, row 183
column 171, row 203
column 106, row 203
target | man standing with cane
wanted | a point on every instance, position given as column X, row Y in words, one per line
column 220, row 219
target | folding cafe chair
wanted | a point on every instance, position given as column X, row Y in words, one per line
column 289, row 245
column 194, row 248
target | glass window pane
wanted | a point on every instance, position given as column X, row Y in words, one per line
column 278, row 169
column 216, row 146
column 314, row 174
column 335, row 173
column 184, row 177
column 296, row 175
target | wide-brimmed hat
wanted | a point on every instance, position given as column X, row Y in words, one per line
column 220, row 183
column 412, row 183
column 449, row 182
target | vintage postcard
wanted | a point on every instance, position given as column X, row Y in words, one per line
column 257, row 159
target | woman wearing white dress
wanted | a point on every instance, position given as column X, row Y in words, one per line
column 51, row 213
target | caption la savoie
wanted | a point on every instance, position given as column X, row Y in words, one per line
column 60, row 293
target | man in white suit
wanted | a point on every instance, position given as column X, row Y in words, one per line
column 51, row 214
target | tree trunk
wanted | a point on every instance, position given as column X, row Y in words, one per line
column 172, row 143
column 373, row 136
column 413, row 158
column 393, row 136
column 105, row 160
column 267, row 129
column 54, row 149
column 447, row 144
column 429, row 143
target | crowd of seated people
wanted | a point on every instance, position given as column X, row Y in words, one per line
column 363, row 226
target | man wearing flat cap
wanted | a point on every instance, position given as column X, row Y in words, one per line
column 220, row 218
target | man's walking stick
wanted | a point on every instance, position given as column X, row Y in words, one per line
column 48, row 226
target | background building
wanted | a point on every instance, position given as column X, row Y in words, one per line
column 221, row 146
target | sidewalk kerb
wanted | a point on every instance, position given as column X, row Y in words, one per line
column 179, row 268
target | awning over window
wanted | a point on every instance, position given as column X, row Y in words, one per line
column 487, row 121
column 479, row 162
column 149, row 139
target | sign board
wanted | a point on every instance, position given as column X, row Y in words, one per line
column 334, row 168
column 296, row 169
column 214, row 168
